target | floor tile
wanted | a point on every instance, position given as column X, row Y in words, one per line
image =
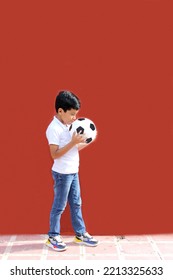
column 136, row 248
column 162, row 237
column 13, row 257
column 27, row 248
column 165, row 248
column 168, row 257
column 3, row 247
column 135, row 238
column 4, row 238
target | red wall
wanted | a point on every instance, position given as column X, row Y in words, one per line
column 117, row 57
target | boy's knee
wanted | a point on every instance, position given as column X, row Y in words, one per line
column 77, row 205
column 58, row 210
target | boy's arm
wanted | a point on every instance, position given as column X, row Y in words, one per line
column 57, row 152
column 81, row 146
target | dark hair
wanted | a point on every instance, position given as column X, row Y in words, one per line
column 67, row 101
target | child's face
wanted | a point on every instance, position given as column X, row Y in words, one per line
column 67, row 117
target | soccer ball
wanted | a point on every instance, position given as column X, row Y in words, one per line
column 84, row 126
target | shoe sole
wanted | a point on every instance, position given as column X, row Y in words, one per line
column 55, row 249
column 86, row 244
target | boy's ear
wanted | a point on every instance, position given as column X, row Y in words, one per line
column 60, row 110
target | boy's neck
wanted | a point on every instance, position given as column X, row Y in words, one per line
column 59, row 118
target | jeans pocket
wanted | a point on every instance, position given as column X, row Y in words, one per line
column 56, row 176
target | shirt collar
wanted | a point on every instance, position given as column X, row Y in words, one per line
column 60, row 123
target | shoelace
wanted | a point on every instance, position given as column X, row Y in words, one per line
column 87, row 235
column 58, row 239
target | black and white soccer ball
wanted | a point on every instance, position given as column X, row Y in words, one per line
column 86, row 127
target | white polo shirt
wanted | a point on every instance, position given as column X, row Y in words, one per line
column 58, row 134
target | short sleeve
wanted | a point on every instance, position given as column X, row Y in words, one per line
column 52, row 136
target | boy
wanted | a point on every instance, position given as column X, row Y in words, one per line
column 64, row 151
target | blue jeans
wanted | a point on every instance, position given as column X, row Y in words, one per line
column 66, row 189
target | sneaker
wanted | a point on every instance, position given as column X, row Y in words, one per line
column 56, row 243
column 86, row 239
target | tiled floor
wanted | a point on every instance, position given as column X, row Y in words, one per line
column 139, row 247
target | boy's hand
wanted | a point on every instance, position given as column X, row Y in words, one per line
column 78, row 138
